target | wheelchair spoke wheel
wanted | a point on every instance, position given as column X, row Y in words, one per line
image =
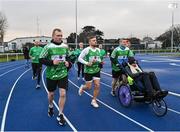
column 159, row 107
column 124, row 95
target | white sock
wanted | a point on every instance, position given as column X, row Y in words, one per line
column 50, row 105
column 60, row 113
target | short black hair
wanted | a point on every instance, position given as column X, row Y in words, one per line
column 91, row 37
column 56, row 29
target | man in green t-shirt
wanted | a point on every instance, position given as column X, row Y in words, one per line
column 91, row 59
column 55, row 57
column 79, row 64
column 120, row 52
column 34, row 53
column 72, row 55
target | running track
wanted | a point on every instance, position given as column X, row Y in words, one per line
column 22, row 107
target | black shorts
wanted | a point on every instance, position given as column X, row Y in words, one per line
column 53, row 84
column 90, row 77
column 37, row 66
column 116, row 74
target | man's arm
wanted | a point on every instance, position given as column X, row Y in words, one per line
column 81, row 57
column 113, row 58
column 43, row 57
column 130, row 54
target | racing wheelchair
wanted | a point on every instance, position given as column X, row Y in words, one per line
column 128, row 91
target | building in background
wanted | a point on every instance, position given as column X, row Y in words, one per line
column 149, row 43
column 18, row 43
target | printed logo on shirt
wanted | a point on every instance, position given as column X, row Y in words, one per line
column 59, row 57
column 94, row 59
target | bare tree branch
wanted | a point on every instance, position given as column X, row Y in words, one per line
column 3, row 27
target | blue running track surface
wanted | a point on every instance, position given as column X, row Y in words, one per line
column 24, row 108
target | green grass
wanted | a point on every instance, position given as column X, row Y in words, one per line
column 3, row 58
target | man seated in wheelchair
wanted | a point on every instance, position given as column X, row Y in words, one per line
column 146, row 82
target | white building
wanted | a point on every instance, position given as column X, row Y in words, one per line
column 150, row 43
column 17, row 43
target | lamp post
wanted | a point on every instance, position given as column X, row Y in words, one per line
column 76, row 23
column 172, row 6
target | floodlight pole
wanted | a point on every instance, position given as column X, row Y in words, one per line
column 76, row 24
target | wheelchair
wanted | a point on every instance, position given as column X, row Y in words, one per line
column 127, row 93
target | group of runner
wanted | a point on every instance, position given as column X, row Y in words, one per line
column 58, row 59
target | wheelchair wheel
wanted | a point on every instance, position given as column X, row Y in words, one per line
column 159, row 107
column 124, row 95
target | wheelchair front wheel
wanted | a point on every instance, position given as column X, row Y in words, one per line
column 159, row 107
column 124, row 95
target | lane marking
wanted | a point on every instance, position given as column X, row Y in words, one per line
column 67, row 120
column 136, row 122
column 8, row 100
column 174, row 64
column 9, row 66
column 10, row 71
column 154, row 61
column 161, row 60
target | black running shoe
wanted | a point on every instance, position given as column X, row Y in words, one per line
column 162, row 94
column 50, row 112
column 61, row 120
column 113, row 93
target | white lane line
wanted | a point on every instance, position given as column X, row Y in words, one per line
column 4, row 65
column 70, row 124
column 139, row 124
column 174, row 64
column 8, row 100
column 10, row 71
column 106, row 74
column 161, row 60
column 8, row 66
column 154, row 61
column 177, row 112
column 106, row 85
column 175, row 94
column 172, row 93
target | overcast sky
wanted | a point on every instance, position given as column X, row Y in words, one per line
column 116, row 18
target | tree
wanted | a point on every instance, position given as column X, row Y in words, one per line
column 165, row 38
column 72, row 38
column 134, row 40
column 86, row 31
column 90, row 30
column 99, row 35
column 3, row 27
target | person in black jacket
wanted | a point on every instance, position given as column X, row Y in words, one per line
column 26, row 56
column 146, row 80
column 55, row 56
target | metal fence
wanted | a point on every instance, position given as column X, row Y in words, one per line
column 5, row 57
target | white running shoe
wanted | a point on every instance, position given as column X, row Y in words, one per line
column 94, row 103
column 80, row 92
column 38, row 86
column 34, row 77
